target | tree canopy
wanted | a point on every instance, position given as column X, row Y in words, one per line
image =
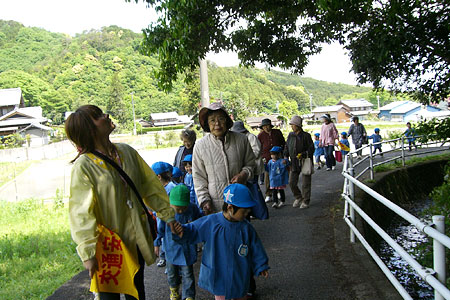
column 403, row 45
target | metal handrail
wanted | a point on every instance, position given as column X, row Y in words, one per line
column 436, row 278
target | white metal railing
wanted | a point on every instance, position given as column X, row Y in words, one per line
column 434, row 277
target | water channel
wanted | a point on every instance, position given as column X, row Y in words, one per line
column 409, row 237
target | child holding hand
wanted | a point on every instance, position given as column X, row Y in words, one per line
column 318, row 151
column 376, row 138
column 180, row 258
column 233, row 252
column 278, row 169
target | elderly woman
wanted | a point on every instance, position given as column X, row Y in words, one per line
column 299, row 145
column 358, row 134
column 221, row 157
column 100, row 196
column 188, row 137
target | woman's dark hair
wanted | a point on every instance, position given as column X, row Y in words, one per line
column 81, row 130
column 225, row 207
column 188, row 134
column 166, row 176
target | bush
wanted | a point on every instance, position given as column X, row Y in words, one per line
column 12, row 141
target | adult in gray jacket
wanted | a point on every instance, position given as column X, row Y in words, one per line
column 358, row 134
column 221, row 157
column 299, row 145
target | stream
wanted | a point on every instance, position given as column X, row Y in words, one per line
column 409, row 237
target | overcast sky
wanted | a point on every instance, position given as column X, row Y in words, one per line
column 74, row 16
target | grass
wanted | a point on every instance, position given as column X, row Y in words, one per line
column 410, row 161
column 8, row 169
column 37, row 254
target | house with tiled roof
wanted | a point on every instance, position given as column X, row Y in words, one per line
column 338, row 113
column 357, row 107
column 10, row 99
column 385, row 111
column 409, row 111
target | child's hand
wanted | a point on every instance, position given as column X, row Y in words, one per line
column 264, row 273
column 284, row 162
column 157, row 251
column 176, row 228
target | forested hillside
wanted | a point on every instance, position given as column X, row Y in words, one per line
column 104, row 67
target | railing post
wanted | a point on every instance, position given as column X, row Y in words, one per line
column 439, row 254
column 371, row 161
column 351, row 191
column 403, row 151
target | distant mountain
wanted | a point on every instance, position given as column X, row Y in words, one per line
column 104, row 67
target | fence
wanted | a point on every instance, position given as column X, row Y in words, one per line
column 436, row 277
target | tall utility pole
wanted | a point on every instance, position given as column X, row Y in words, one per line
column 378, row 100
column 310, row 102
column 134, row 115
column 204, row 88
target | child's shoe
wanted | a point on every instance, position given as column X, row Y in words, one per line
column 189, row 298
column 280, row 204
column 268, row 199
column 319, row 167
column 174, row 295
column 275, row 205
column 161, row 263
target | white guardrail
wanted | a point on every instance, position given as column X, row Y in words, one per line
column 434, row 277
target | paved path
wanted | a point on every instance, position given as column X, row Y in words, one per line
column 309, row 254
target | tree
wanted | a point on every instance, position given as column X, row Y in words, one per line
column 115, row 105
column 288, row 109
column 402, row 42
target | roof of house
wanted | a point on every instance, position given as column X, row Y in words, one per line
column 27, row 112
column 406, row 107
column 393, row 105
column 356, row 102
column 162, row 116
column 361, row 112
column 37, row 125
column 10, row 96
column 321, row 109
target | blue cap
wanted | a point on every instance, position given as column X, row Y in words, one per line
column 317, row 134
column 238, row 195
column 176, row 173
column 188, row 158
column 344, row 133
column 377, row 130
column 161, row 167
column 275, row 149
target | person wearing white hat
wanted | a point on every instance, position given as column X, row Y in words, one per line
column 299, row 146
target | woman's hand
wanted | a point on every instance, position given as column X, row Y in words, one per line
column 91, row 265
column 240, row 178
column 207, row 208
column 264, row 273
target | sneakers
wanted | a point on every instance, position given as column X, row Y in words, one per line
column 268, row 199
column 280, row 204
column 296, row 203
column 250, row 296
column 333, row 168
column 275, row 205
column 328, row 169
column 161, row 263
column 304, row 205
column 174, row 295
column 359, row 157
column 319, row 167
column 189, row 298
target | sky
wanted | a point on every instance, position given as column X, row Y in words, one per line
column 75, row 16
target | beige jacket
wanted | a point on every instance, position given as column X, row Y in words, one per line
column 98, row 195
column 214, row 163
column 256, row 147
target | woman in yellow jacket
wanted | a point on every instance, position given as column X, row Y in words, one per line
column 99, row 196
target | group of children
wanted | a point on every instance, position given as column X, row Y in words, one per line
column 344, row 146
column 230, row 227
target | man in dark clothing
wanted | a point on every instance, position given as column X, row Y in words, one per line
column 269, row 137
column 299, row 146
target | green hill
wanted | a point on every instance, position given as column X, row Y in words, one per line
column 104, row 67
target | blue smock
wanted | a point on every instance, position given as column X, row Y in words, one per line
column 346, row 143
column 189, row 182
column 176, row 253
column 278, row 172
column 318, row 151
column 376, row 138
column 232, row 253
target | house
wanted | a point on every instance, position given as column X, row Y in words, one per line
column 338, row 113
column 385, row 111
column 409, row 111
column 357, row 107
column 169, row 119
column 36, row 134
column 254, row 122
column 10, row 99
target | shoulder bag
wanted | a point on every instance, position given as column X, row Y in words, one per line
column 150, row 216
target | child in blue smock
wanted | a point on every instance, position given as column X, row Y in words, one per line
column 376, row 138
column 177, row 175
column 344, row 141
column 318, row 151
column 164, row 172
column 188, row 180
column 410, row 133
column 278, row 169
column 233, row 251
column 180, row 258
